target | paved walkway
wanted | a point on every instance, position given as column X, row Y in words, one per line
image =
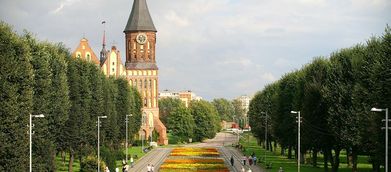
column 222, row 142
column 155, row 157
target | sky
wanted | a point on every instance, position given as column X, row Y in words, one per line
column 216, row 48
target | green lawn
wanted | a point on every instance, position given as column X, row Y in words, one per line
column 290, row 165
column 136, row 150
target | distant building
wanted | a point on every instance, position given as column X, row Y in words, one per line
column 185, row 96
column 84, row 51
column 245, row 104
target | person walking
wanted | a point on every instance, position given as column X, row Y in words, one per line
column 107, row 169
column 232, row 160
column 244, row 160
column 149, row 168
column 116, row 169
column 131, row 161
column 152, row 168
column 255, row 160
column 250, row 160
column 242, row 169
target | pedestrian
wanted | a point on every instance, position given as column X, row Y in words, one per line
column 232, row 160
column 127, row 167
column 249, row 170
column 280, row 170
column 244, row 160
column 149, row 168
column 242, row 169
column 131, row 161
column 152, row 168
column 116, row 169
column 123, row 166
column 255, row 160
column 107, row 169
column 250, row 160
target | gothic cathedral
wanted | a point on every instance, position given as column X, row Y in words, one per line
column 140, row 67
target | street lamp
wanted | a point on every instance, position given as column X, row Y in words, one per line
column 298, row 138
column 126, row 143
column 99, row 117
column 30, row 134
column 386, row 128
column 265, row 133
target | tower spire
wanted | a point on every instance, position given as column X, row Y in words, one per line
column 139, row 18
column 103, row 51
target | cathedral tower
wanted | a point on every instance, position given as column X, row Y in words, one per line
column 141, row 68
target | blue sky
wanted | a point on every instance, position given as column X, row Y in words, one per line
column 217, row 48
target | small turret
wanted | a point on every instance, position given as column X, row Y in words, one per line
column 103, row 52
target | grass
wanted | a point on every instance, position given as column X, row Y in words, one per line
column 134, row 151
column 290, row 165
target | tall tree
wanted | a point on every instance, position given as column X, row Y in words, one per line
column 206, row 118
column 166, row 106
column 43, row 146
column 224, row 108
column 181, row 123
column 16, row 78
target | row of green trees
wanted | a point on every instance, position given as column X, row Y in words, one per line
column 199, row 121
column 42, row 78
column 335, row 96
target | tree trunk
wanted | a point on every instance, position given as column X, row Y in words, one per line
column 302, row 158
column 71, row 157
column 336, row 159
column 354, row 159
column 375, row 166
column 282, row 151
column 347, row 157
column 325, row 161
column 63, row 155
column 330, row 157
column 275, row 146
column 315, row 158
column 290, row 152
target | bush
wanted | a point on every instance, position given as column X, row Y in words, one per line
column 109, row 156
column 89, row 164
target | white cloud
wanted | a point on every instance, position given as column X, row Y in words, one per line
column 63, row 4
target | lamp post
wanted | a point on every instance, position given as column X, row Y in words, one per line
column 30, row 134
column 265, row 133
column 386, row 128
column 99, row 117
column 298, row 138
column 126, row 143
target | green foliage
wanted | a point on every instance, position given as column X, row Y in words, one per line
column 334, row 96
column 16, row 99
column 89, row 164
column 181, row 123
column 166, row 106
column 42, row 78
column 207, row 120
column 225, row 109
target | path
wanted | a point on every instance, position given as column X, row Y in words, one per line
column 226, row 151
column 222, row 142
column 155, row 157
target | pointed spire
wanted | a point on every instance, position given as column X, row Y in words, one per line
column 103, row 51
column 140, row 19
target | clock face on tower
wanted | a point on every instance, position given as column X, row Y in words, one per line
column 141, row 38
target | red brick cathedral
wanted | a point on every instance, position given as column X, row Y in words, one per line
column 140, row 67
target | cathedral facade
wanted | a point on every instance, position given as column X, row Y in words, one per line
column 140, row 68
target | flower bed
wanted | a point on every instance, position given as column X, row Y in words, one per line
column 194, row 159
column 204, row 152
